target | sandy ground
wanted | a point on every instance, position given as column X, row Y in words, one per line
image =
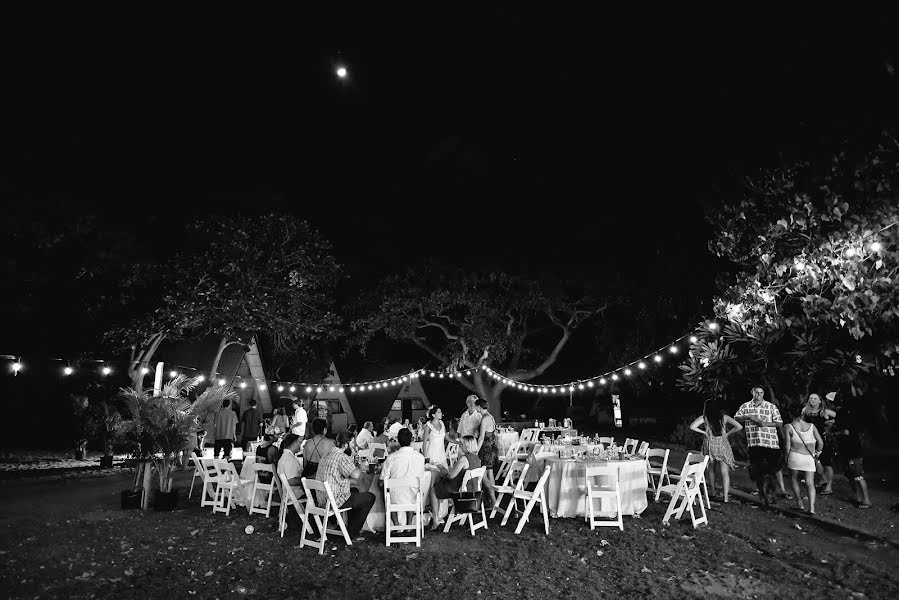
column 68, row 538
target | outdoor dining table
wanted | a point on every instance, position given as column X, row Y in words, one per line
column 566, row 488
column 377, row 518
column 536, row 461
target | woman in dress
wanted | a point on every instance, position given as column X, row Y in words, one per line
column 805, row 444
column 816, row 412
column 716, row 445
column 280, row 424
column 316, row 448
column 435, row 433
column 449, row 482
column 420, row 429
column 487, row 452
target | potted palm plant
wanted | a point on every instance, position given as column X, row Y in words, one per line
column 160, row 427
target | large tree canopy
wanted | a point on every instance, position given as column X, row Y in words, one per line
column 813, row 299
column 466, row 320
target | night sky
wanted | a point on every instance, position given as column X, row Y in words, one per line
column 570, row 135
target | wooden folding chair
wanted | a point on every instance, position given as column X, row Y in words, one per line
column 322, row 514
column 288, row 500
column 391, row 508
column 515, row 479
column 531, row 499
column 229, row 480
column 267, row 488
column 686, row 493
column 476, row 476
column 602, row 484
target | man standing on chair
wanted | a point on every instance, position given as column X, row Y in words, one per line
column 337, row 469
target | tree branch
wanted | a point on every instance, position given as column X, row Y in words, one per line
column 418, row 342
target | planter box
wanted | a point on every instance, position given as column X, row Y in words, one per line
column 131, row 499
column 165, row 500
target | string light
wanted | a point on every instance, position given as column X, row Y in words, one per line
column 614, row 377
column 144, row 370
column 876, row 246
column 16, row 367
column 280, row 388
column 673, row 349
column 641, row 365
column 293, row 388
column 68, row 371
column 713, row 326
column 627, row 372
column 243, row 384
column 106, row 370
column 694, row 339
column 602, row 381
column 263, row 387
column 657, row 358
column 221, row 382
column 201, row 378
column 173, row 374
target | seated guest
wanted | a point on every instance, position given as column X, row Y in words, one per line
column 351, row 449
column 450, row 482
column 405, row 463
column 289, row 463
column 381, row 438
column 365, row 435
column 316, row 448
column 267, row 452
column 394, row 429
column 337, row 469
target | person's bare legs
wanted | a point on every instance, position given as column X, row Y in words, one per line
column 489, row 485
column 861, row 491
column 780, row 481
column 710, row 476
column 725, row 479
column 795, row 484
column 435, row 510
column 810, row 484
column 828, row 480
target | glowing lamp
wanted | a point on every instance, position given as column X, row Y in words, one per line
column 713, row 326
column 280, row 388
column 308, row 389
column 370, row 387
column 263, row 387
column 657, row 358
column 353, row 389
column 627, row 372
column 144, row 370
column 173, row 374
column 673, row 349
column 876, row 246
column 614, row 376
column 580, row 386
column 318, row 390
column 589, row 384
column 243, row 384
column 202, row 378
column 331, row 388
column 221, row 382
column 602, row 381
column 340, row 389
column 68, row 371
column 694, row 339
column 571, row 388
column 641, row 365
column 341, row 72
column 106, row 370
column 293, row 388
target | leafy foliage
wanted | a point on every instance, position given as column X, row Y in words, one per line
column 468, row 319
column 813, row 299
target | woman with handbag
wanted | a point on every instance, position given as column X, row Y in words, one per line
column 805, row 445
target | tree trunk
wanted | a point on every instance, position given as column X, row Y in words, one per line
column 491, row 392
column 140, row 358
column 224, row 343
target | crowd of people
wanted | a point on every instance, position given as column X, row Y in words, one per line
column 808, row 443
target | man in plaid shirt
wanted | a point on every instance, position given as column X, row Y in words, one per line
column 761, row 420
column 337, row 469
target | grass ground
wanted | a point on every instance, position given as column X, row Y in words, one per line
column 68, row 538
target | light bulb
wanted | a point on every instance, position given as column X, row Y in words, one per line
column 144, row 370
column 341, row 72
column 16, row 367
column 590, row 384
column 107, row 370
column 431, row 373
column 340, row 389
column 293, row 388
column 614, row 376
column 627, row 372
column 318, row 390
column 243, row 384
column 876, row 246
column 673, row 349
column 280, row 388
column 68, row 370
column 202, row 378
column 580, row 386
column 221, row 382
column 713, row 326
column 263, row 387
column 353, row 389
column 331, row 388
column 850, row 252
column 694, row 339
column 657, row 358
column 308, row 389
column 602, row 381
column 173, row 374
column 370, row 387
column 571, row 388
column 441, row 376
column 641, row 365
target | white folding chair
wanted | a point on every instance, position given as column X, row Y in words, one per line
column 602, row 484
column 643, row 449
column 210, row 475
column 606, row 441
column 417, row 446
column 529, row 435
column 515, row 478
column 657, row 473
column 267, row 488
column 391, row 508
column 229, row 480
column 630, row 445
column 693, row 458
column 506, row 460
column 476, row 476
column 532, row 498
column 198, row 473
column 452, row 454
column 687, row 492
column 322, row 514
column 289, row 499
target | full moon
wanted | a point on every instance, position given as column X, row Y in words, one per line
column 341, row 72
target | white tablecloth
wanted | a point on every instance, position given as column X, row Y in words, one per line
column 537, row 463
column 504, row 440
column 566, row 488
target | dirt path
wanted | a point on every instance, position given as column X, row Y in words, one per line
column 69, row 539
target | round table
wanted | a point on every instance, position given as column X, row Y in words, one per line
column 566, row 488
column 536, row 461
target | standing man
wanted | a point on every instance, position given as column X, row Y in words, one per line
column 762, row 420
column 249, row 425
column 300, row 418
column 470, row 421
column 225, row 429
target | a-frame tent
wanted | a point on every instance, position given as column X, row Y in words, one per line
column 332, row 403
